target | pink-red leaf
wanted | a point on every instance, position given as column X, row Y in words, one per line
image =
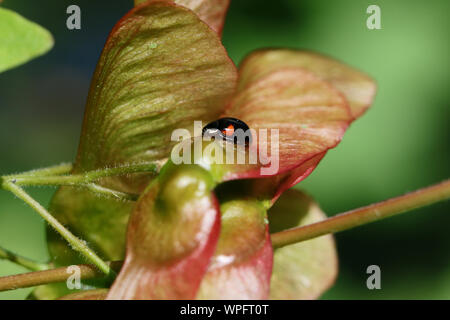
column 242, row 264
column 358, row 88
column 311, row 99
column 172, row 234
column 289, row 179
column 310, row 115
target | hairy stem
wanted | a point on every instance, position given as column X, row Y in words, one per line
column 22, row 261
column 79, row 179
column 76, row 243
column 59, row 169
column 357, row 217
column 57, row 176
column 31, row 279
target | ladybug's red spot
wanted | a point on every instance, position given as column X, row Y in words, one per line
column 228, row 131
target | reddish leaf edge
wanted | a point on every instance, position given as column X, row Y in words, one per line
column 243, row 62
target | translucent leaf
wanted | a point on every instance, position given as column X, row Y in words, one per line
column 358, row 88
column 20, row 40
column 310, row 115
column 161, row 69
column 98, row 220
column 306, row 269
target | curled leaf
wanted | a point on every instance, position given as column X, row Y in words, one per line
column 306, row 269
column 289, row 179
column 21, row 40
column 242, row 263
column 172, row 234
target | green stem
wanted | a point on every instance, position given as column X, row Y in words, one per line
column 76, row 243
column 79, row 179
column 52, row 177
column 357, row 217
column 59, row 169
column 22, row 261
column 31, row 279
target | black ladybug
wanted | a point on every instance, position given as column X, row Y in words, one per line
column 228, row 130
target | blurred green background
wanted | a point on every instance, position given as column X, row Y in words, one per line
column 401, row 144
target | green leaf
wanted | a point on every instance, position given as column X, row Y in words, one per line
column 306, row 269
column 161, row 69
column 98, row 220
column 20, row 40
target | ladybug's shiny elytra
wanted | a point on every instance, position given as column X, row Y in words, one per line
column 226, row 128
